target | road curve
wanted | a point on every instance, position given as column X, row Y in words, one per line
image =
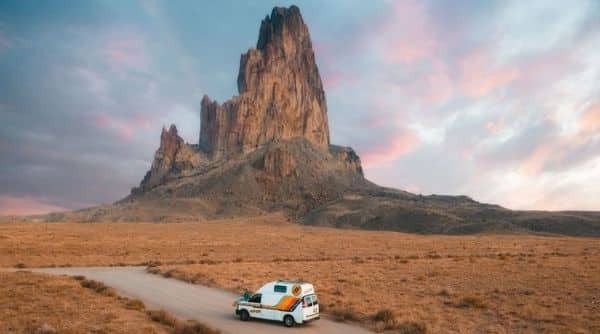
column 210, row 306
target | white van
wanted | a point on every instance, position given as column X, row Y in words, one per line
column 291, row 302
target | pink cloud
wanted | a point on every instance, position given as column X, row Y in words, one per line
column 413, row 188
column 559, row 147
column 401, row 144
column 25, row 205
column 494, row 126
column 478, row 76
column 536, row 161
column 589, row 122
column 125, row 50
column 124, row 129
column 408, row 33
column 332, row 80
column 435, row 86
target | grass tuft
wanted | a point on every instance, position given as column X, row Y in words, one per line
column 99, row 287
column 411, row 327
column 384, row 315
column 135, row 304
column 343, row 314
column 470, row 302
column 178, row 326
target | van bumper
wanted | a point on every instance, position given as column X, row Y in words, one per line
column 317, row 317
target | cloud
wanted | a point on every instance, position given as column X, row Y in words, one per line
column 479, row 76
column 407, row 32
column 26, row 205
column 390, row 150
column 125, row 50
column 5, row 43
column 589, row 122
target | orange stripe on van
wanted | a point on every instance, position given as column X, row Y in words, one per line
column 286, row 303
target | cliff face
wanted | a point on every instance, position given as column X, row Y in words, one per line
column 280, row 93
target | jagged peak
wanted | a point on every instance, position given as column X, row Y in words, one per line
column 272, row 27
column 172, row 130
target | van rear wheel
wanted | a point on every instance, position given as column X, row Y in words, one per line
column 244, row 315
column 288, row 321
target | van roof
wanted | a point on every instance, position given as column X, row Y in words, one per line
column 285, row 281
column 269, row 288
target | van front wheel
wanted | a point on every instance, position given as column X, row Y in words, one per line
column 288, row 321
column 244, row 315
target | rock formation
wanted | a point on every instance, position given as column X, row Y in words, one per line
column 172, row 157
column 281, row 94
column 281, row 98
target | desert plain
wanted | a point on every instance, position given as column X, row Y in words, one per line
column 386, row 281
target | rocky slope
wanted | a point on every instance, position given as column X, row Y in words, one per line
column 268, row 149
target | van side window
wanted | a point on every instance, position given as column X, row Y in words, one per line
column 308, row 301
column 280, row 288
column 255, row 299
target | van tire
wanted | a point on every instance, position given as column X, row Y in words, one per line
column 244, row 315
column 288, row 321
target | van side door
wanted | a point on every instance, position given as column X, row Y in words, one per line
column 255, row 307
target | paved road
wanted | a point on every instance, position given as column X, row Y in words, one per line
column 189, row 301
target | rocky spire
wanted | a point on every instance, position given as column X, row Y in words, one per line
column 173, row 156
column 281, row 93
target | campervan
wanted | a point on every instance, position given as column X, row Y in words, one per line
column 291, row 302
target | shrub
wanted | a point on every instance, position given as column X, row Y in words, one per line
column 178, row 326
column 471, row 302
column 194, row 327
column 99, row 287
column 20, row 265
column 162, row 317
column 341, row 315
column 385, row 319
column 79, row 277
column 135, row 304
column 444, row 292
column 384, row 315
column 45, row 329
column 153, row 264
column 153, row 270
column 411, row 327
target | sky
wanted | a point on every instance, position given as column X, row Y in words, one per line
column 496, row 100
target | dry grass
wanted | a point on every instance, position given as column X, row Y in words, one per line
column 178, row 326
column 45, row 304
column 39, row 303
column 96, row 286
column 462, row 284
column 342, row 314
column 471, row 301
